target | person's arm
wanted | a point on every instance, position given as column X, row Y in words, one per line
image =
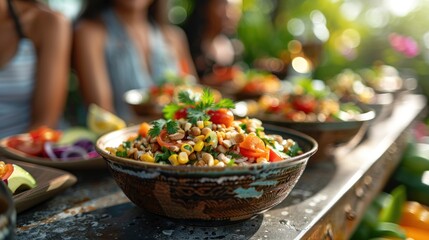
column 53, row 44
column 90, row 64
column 177, row 38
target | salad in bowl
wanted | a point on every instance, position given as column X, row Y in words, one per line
column 200, row 163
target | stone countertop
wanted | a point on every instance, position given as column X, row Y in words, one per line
column 328, row 200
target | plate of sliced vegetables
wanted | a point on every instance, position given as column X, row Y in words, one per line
column 70, row 149
column 32, row 184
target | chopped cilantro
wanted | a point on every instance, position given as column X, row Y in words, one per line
column 171, row 125
column 127, row 144
column 170, row 110
column 294, row 150
column 121, row 153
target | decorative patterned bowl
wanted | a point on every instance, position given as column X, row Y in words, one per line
column 7, row 213
column 206, row 193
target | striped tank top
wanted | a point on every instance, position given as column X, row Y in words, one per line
column 125, row 66
column 17, row 80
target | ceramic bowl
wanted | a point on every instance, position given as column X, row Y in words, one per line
column 206, row 193
column 139, row 101
column 328, row 134
column 7, row 213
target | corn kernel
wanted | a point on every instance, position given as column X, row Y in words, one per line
column 173, row 160
column 183, row 158
column 207, row 123
column 200, row 124
column 220, row 164
column 147, row 158
column 188, row 149
column 199, row 146
column 199, row 138
column 215, row 162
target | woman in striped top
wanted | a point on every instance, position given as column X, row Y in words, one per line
column 34, row 66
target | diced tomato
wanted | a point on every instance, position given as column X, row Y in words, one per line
column 274, row 156
column 7, row 172
column 27, row 146
column 182, row 113
column 252, row 153
column 144, row 129
column 163, row 140
column 305, row 104
column 253, row 146
column 221, row 116
column 276, row 107
column 45, row 134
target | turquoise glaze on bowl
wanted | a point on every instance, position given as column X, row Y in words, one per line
column 206, row 193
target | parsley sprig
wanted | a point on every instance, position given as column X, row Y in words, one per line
column 197, row 108
column 157, row 126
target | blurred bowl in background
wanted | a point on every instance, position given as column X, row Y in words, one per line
column 7, row 213
column 140, row 102
column 382, row 106
column 221, row 194
column 328, row 134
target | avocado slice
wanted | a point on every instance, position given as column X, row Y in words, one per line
column 21, row 179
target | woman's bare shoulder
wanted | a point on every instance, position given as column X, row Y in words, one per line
column 90, row 28
column 175, row 35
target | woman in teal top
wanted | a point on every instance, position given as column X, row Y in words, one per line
column 123, row 45
column 34, row 63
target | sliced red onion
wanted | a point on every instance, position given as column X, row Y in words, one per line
column 93, row 154
column 86, row 144
column 74, row 152
column 48, row 147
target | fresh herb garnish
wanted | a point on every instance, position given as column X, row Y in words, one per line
column 197, row 108
column 127, row 144
column 294, row 150
column 185, row 98
column 163, row 157
column 171, row 125
column 121, row 153
column 170, row 110
column 194, row 115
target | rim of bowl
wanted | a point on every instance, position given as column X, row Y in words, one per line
column 366, row 116
column 133, row 129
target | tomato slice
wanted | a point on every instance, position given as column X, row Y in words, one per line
column 253, row 146
column 163, row 140
column 252, row 153
column 29, row 147
column 306, row 104
column 221, row 116
column 274, row 156
column 45, row 134
column 7, row 172
column 144, row 129
column 253, row 142
column 182, row 113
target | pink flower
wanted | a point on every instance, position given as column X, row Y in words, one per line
column 404, row 44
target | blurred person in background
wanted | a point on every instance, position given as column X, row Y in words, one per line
column 35, row 47
column 122, row 45
column 210, row 28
